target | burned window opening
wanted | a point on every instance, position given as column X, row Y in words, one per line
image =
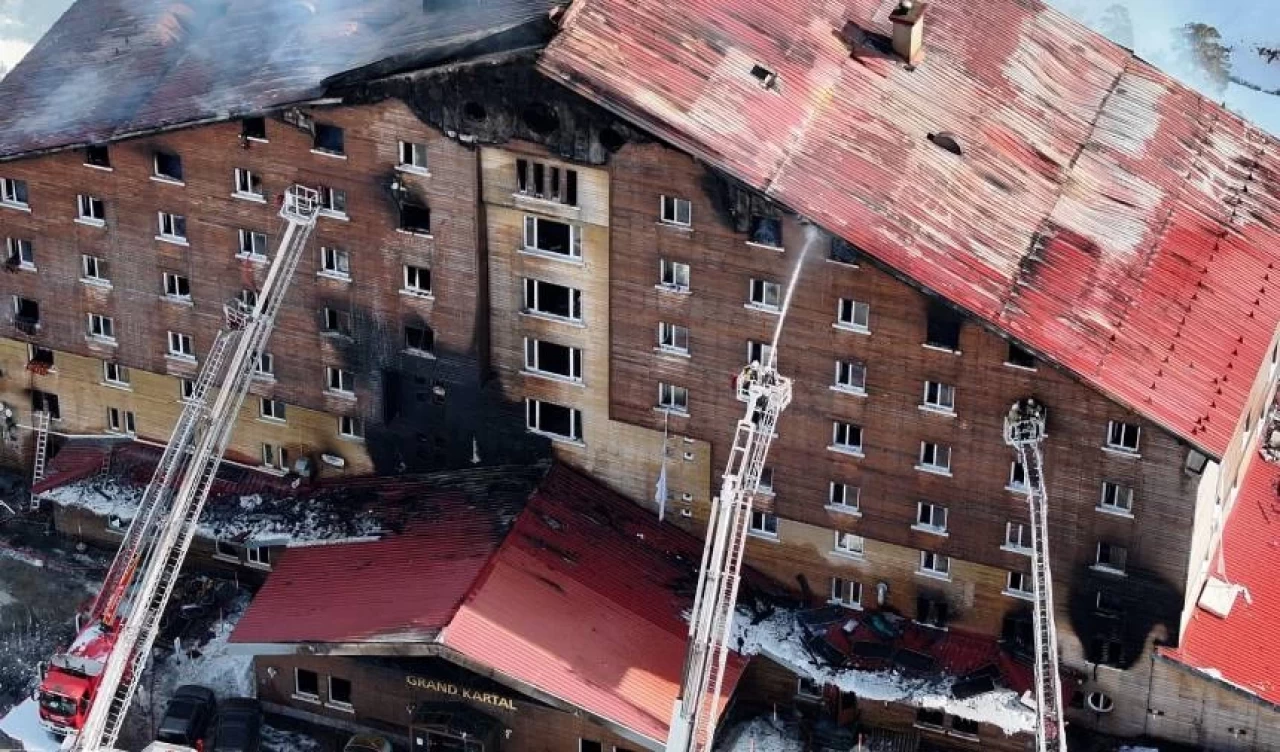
column 419, row 339
column 46, row 402
column 474, row 111
column 329, row 139
column 98, row 156
column 943, row 327
column 254, row 127
column 540, row 118
column 766, row 230
column 547, row 182
column 168, row 166
column 844, row 251
column 26, row 314
column 765, row 77
column 415, row 218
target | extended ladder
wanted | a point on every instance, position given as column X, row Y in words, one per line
column 1024, row 431
column 41, row 420
column 142, row 578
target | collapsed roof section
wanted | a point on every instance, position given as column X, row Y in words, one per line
column 113, row 68
column 1024, row 168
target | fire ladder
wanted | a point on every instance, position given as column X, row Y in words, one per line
column 696, row 709
column 142, row 576
column 41, row 419
column 1024, row 431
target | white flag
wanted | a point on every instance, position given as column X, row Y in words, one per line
column 660, row 495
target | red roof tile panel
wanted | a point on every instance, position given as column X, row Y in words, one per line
column 1103, row 214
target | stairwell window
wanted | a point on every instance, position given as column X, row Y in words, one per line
column 548, row 236
column 930, row 518
column 550, row 419
column 934, row 458
column 765, row 295
column 851, row 377
column 1123, row 437
column 673, row 275
column 1018, row 585
column 550, row 299
column 1116, row 498
column 115, row 374
column 340, row 381
column 1017, row 478
column 19, row 254
column 91, row 210
column 763, row 524
column 547, row 182
column 853, row 315
column 248, row 184
column 177, row 287
column 271, row 409
column 13, row 193
column 329, row 139
column 413, row 157
column 94, row 270
column 351, row 428
column 940, row 398
column 848, row 544
column 551, row 359
column 934, row 564
column 673, row 398
column 172, row 227
column 843, row 497
column 417, row 281
column 334, row 322
column 121, row 421
column 180, row 346
column 846, row 437
column 1111, row 558
column 333, row 202
column 167, row 167
column 677, row 211
column 1017, row 538
column 847, row 593
column 335, row 263
column 102, row 328
column 942, row 329
column 673, row 338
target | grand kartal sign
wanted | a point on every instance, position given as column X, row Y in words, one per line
column 461, row 691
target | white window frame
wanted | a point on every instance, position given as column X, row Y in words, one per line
column 939, row 398
column 102, row 328
column 670, row 211
column 113, row 420
column 934, row 565
column 9, row 193
column 428, row 332
column 532, row 364
column 674, row 275
column 765, row 486
column 297, row 689
column 172, row 287
column 851, row 377
column 244, row 185
column 345, row 380
column 91, row 270
column 530, row 233
column 758, row 295
column 85, row 207
column 847, row 593
column 533, row 420
column 763, row 525
column 333, row 320
column 1120, row 429
column 1017, row 584
column 936, row 460
column 351, row 427
column 849, row 544
column 23, row 250
column 160, row 176
column 181, row 346
column 121, row 421
column 328, row 199
column 250, row 247
column 853, row 315
column 272, row 409
column 335, row 263
column 265, row 366
column 670, row 336
column 1108, row 566
column 1113, row 492
column 186, row 389
column 931, row 518
column 275, row 456
column 758, row 352
column 1014, row 534
column 344, row 705
column 838, row 493
column 115, row 374
column 845, row 446
column 257, row 556
column 531, row 307
column 673, row 398
column 413, row 280
column 248, row 299
column 412, row 157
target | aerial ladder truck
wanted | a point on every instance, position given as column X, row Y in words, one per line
column 86, row 691
column 1024, row 432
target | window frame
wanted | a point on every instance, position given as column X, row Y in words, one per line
column 15, row 193
column 257, row 556
column 931, row 465
column 428, row 338
column 1109, row 565
column 329, row 199
column 87, row 205
column 673, row 398
column 275, row 456
column 758, row 295
column 316, row 139
column 184, row 343
column 845, row 446
column 22, row 251
column 298, row 692
column 845, row 592
column 335, row 263
column 345, row 380
column 177, row 177
column 173, row 284
column 351, row 427
column 412, row 276
column 105, row 325
column 849, row 544
column 929, row 561
column 939, row 397
column 669, row 338
column 245, row 182
column 344, row 704
column 533, row 360
column 264, row 365
column 849, row 387
column 534, row 285
column 121, row 373
column 851, row 321
column 843, row 504
column 414, row 151
column 171, row 227
column 277, row 412
column 335, row 322
column 670, row 274
column 254, row 251
column 1014, row 543
column 669, row 211
column 531, row 230
column 99, row 265
column 931, row 525
column 1015, row 485
column 534, row 420
column 1122, row 448
column 767, row 527
column 1025, row 590
column 1106, row 502
column 543, row 181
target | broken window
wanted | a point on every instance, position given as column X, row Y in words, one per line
column 1111, row 557
column 248, row 183
column 942, row 329
column 1195, row 462
column 329, row 139
column 254, row 128
column 339, row 380
column 39, row 356
column 764, row 524
column 26, row 314
column 177, row 286
column 413, row 157
column 97, row 156
column 1108, row 604
column 846, row 436
column 265, row 365
column 1017, row 629
column 1017, row 477
column 94, row 268
column 673, row 275
column 846, row 592
column 851, row 376
column 936, row 564
column 335, row 262
column 765, row 294
column 1123, row 437
column 181, row 346
column 589, row 745
column 102, row 327
column 226, row 549
column 253, row 245
column 552, row 359
column 276, row 457
column 19, row 252
column 1017, row 536
column 555, row 420
column 248, row 299
column 91, row 209
column 931, row 610
column 13, row 192
column 759, row 352
column 333, row 201
column 1018, row 583
column 417, row 280
column 931, row 517
column 1116, row 498
column 546, row 181
column 853, row 314
column 935, row 457
column 843, row 251
column 350, row 427
column 766, row 231
column 673, row 398
column 333, row 321
column 940, row 397
column 46, row 402
column 306, row 683
column 552, row 300
column 114, row 373
column 173, row 226
column 415, row 218
column 843, row 496
column 673, row 338
column 339, row 691
column 1108, row 650
column 931, row 718
column 168, row 166
column 677, row 211
column 186, row 389
column 419, row 339
column 765, row 486
column 549, row 236
column 1020, row 358
column 964, row 726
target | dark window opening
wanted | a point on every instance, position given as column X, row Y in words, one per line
column 415, row 218
column 843, row 251
column 419, row 338
column 329, row 139
column 547, row 182
column 540, row 118
column 612, row 140
column 1109, row 604
column 964, row 726
column 98, row 156
column 550, row 357
column 26, row 311
column 943, row 329
column 307, row 682
column 168, row 165
column 552, row 299
column 339, row 690
column 46, row 402
column 766, row 231
column 551, row 237
column 930, row 717
column 1018, row 630
column 1020, row 358
column 41, row 356
column 549, row 417
column 474, row 111
column 766, row 77
column 1108, row 651
column 589, row 745
column 931, row 611
column 254, row 127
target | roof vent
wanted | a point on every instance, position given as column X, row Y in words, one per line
column 767, row 78
column 946, row 140
column 908, row 30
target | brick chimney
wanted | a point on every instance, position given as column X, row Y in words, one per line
column 908, row 30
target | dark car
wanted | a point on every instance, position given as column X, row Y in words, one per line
column 238, row 727
column 187, row 716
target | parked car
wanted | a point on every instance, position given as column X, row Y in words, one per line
column 367, row 743
column 187, row 716
column 238, row 727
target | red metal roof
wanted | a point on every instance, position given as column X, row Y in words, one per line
column 1103, row 214
column 1243, row 649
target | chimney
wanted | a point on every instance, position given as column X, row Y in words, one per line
column 908, row 30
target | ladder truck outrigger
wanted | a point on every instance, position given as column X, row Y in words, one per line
column 1024, row 431
column 86, row 691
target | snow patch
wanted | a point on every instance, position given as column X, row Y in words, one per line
column 25, row 558
column 762, row 735
column 779, row 638
column 22, row 724
column 210, row 665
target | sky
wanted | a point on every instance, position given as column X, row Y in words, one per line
column 1244, row 24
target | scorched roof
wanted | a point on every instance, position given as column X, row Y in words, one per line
column 1113, row 220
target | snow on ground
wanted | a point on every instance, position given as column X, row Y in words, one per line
column 22, row 724
column 288, row 741
column 209, row 665
column 762, row 734
column 779, row 638
column 1128, row 748
column 26, row 558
